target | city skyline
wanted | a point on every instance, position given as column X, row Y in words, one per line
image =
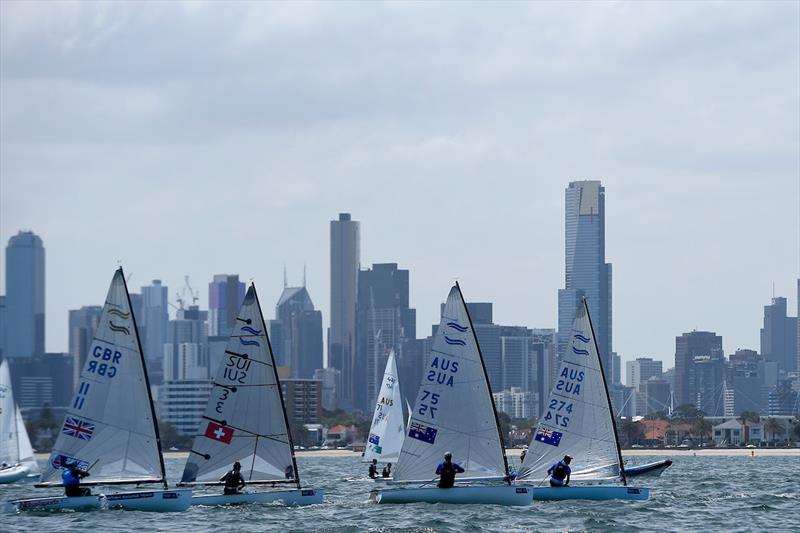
column 701, row 189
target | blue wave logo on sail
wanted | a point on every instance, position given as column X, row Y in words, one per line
column 458, row 327
column 250, row 330
column 582, row 338
column 454, row 342
column 118, row 329
column 422, row 432
column 579, row 351
column 249, row 343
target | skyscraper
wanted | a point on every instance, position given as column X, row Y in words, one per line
column 225, row 297
column 642, row 369
column 185, row 349
column 385, row 322
column 587, row 275
column 345, row 263
column 155, row 315
column 82, row 324
column 296, row 333
column 779, row 336
column 687, row 347
column 24, row 301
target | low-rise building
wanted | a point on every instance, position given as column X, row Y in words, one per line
column 735, row 433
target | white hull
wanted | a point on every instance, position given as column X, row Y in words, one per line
column 594, row 492
column 163, row 501
column 14, row 473
column 55, row 503
column 286, row 497
column 477, row 494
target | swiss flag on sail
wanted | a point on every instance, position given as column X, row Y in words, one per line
column 219, row 432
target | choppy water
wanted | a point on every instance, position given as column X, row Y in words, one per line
column 695, row 494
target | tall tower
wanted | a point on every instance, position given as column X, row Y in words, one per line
column 225, row 296
column 345, row 263
column 586, row 274
column 24, row 301
column 779, row 336
column 155, row 316
column 688, row 347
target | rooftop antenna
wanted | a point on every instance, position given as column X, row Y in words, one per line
column 304, row 274
column 285, row 279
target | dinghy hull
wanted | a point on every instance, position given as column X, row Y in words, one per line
column 161, row 501
column 55, row 503
column 14, row 473
column 286, row 497
column 650, row 469
column 479, row 494
column 594, row 492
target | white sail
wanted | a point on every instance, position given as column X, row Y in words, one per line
column 9, row 444
column 110, row 426
column 454, row 410
column 245, row 419
column 577, row 420
column 388, row 425
column 26, row 456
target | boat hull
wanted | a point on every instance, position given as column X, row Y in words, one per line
column 55, row 503
column 478, row 494
column 287, row 497
column 162, row 501
column 650, row 469
column 14, row 473
column 594, row 492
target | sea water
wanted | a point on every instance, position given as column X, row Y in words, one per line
column 694, row 494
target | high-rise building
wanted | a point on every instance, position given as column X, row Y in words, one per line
column 2, row 325
column 707, row 383
column 687, row 347
column 329, row 377
column 24, row 301
column 225, row 297
column 296, row 333
column 385, row 323
column 655, row 392
column 616, row 368
column 185, row 350
column 83, row 323
column 587, row 275
column 39, row 380
column 779, row 336
column 746, row 381
column 640, row 370
column 345, row 264
column 303, row 400
column 154, row 318
column 183, row 403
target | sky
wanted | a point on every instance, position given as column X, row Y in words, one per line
column 192, row 138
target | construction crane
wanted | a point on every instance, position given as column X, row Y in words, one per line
column 180, row 297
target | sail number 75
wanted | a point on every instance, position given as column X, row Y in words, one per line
column 431, row 399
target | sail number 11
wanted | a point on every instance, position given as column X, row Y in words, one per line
column 432, row 400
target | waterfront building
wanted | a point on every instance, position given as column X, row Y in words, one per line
column 296, row 333
column 779, row 336
column 23, row 315
column 83, row 323
column 385, row 323
column 225, row 297
column 687, row 347
column 734, row 432
column 345, row 264
column 182, row 403
column 586, row 273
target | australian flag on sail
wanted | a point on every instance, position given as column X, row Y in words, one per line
column 422, row 432
column 374, row 439
column 80, row 429
column 553, row 438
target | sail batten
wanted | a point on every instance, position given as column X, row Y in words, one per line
column 454, row 409
column 110, row 427
column 244, row 420
column 578, row 418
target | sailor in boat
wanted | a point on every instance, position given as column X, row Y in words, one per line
column 288, row 472
column 373, row 469
column 71, row 477
column 522, row 455
column 447, row 471
column 387, row 470
column 234, row 481
column 559, row 472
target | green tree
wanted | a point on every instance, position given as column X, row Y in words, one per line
column 772, row 426
column 656, row 415
column 687, row 413
column 746, row 418
column 632, row 432
column 170, row 438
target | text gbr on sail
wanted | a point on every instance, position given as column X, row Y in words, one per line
column 101, row 368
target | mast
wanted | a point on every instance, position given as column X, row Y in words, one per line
column 605, row 387
column 488, row 384
column 146, row 381
column 280, row 390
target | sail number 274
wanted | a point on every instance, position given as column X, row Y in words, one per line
column 555, row 411
column 431, row 399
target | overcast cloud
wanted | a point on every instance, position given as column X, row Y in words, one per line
column 199, row 138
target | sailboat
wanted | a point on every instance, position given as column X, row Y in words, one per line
column 245, row 421
column 388, row 424
column 578, row 421
column 110, row 428
column 454, row 411
column 15, row 446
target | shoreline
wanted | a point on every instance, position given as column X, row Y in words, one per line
column 515, row 452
